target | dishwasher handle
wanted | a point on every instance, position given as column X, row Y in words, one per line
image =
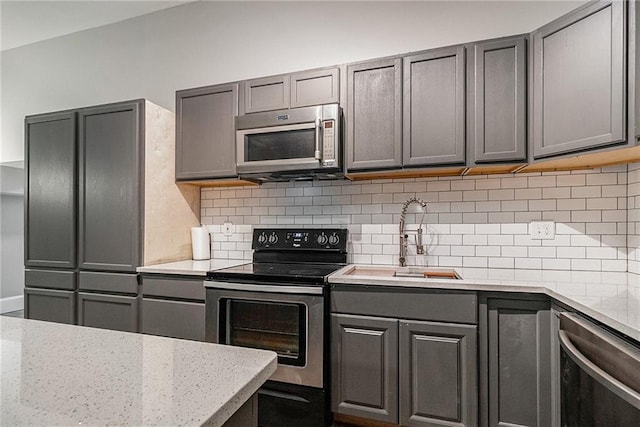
column 612, row 384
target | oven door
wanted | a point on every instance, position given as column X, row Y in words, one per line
column 285, row 319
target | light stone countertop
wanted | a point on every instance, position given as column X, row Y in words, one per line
column 610, row 298
column 55, row 374
column 190, row 267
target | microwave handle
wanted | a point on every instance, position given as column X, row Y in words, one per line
column 317, row 153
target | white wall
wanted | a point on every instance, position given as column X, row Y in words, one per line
column 204, row 43
column 11, row 238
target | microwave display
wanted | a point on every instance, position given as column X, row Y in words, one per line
column 294, row 144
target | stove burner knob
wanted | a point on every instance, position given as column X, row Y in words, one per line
column 334, row 239
column 323, row 239
column 273, row 239
column 262, row 238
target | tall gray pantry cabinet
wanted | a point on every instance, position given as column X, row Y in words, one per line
column 96, row 209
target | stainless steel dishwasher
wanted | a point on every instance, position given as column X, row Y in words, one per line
column 600, row 376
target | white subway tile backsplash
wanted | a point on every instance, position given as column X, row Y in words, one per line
column 479, row 221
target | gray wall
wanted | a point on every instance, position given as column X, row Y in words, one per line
column 11, row 232
column 204, row 43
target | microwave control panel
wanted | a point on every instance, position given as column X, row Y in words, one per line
column 328, row 142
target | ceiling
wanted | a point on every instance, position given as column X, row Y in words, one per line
column 24, row 21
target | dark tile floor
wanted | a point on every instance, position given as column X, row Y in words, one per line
column 19, row 313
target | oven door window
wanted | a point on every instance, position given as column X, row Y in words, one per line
column 292, row 144
column 276, row 326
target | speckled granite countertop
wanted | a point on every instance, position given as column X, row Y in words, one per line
column 190, row 267
column 610, row 298
column 54, row 374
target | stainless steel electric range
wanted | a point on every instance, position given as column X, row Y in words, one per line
column 280, row 302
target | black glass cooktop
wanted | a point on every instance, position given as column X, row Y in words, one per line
column 277, row 272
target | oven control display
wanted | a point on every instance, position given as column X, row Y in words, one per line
column 292, row 239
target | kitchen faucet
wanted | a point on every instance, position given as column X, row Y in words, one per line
column 404, row 236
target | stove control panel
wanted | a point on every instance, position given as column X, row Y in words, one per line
column 333, row 239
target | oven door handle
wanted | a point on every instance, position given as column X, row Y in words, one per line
column 271, row 289
column 618, row 388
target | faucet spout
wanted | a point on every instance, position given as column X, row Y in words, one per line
column 404, row 237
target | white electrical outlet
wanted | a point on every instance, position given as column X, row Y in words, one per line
column 227, row 229
column 542, row 230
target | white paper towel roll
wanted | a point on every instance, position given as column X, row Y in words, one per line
column 200, row 243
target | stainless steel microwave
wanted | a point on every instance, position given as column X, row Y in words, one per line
column 297, row 142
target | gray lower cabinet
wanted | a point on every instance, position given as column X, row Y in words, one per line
column 374, row 115
column 173, row 306
column 51, row 191
column 205, row 132
column 434, row 107
column 110, row 188
column 497, row 101
column 438, row 374
column 578, row 90
column 365, row 367
column 413, row 372
column 117, row 312
column 52, row 305
column 515, row 370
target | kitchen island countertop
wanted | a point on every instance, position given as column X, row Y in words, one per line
column 612, row 298
column 55, row 374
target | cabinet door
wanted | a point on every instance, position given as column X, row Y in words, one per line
column 176, row 319
column 50, row 192
column 438, row 374
column 515, row 361
column 50, row 305
column 374, row 115
column 115, row 312
column 434, row 108
column 496, row 108
column 315, row 87
column 110, row 140
column 205, row 132
column 266, row 94
column 579, row 80
column 364, row 358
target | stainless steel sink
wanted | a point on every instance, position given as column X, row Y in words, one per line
column 427, row 273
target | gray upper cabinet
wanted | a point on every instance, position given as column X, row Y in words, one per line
column 315, row 87
column 438, row 374
column 205, row 132
column 50, row 211
column 374, row 115
column 515, row 374
column 434, row 108
column 497, row 100
column 266, row 94
column 364, row 367
column 578, row 61
column 110, row 187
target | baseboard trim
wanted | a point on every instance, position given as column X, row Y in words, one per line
column 9, row 304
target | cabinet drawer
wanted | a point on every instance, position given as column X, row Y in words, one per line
column 115, row 312
column 173, row 288
column 176, row 319
column 50, row 279
column 435, row 305
column 108, row 282
column 50, row 305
